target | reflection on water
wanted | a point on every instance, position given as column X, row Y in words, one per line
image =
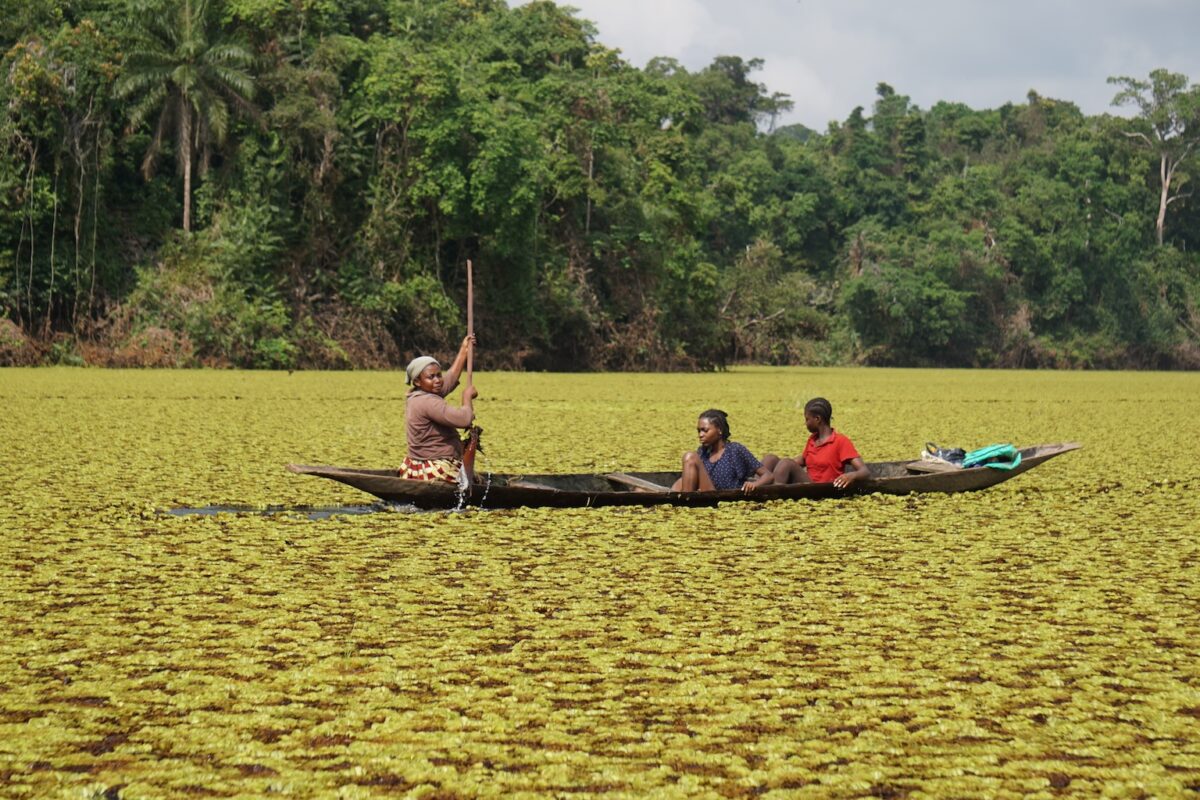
column 312, row 512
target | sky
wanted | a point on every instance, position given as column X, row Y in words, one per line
column 829, row 55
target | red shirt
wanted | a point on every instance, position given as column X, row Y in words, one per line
column 827, row 460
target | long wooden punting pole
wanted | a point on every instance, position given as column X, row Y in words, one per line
column 470, row 323
column 473, row 437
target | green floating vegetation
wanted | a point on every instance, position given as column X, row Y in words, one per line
column 1036, row 639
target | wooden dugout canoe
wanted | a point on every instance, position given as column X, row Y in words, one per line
column 652, row 488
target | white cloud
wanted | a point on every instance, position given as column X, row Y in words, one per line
column 830, row 54
column 643, row 29
column 812, row 95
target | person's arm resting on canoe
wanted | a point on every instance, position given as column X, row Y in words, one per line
column 858, row 472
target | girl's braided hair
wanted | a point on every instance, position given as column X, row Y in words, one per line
column 717, row 417
column 819, row 407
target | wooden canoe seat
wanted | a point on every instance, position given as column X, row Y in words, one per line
column 521, row 483
column 923, row 466
column 636, row 483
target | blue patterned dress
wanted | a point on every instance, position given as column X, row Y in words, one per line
column 735, row 466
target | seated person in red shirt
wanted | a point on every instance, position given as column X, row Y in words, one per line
column 828, row 457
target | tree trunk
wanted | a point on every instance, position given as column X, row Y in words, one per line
column 53, row 238
column 29, row 193
column 1163, row 198
column 587, row 225
column 185, row 152
column 95, row 230
column 81, row 162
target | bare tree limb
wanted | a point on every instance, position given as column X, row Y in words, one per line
column 761, row 320
column 1189, row 328
column 1138, row 135
column 728, row 302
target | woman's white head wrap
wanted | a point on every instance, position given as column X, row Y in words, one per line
column 416, row 367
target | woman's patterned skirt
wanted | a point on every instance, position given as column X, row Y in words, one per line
column 437, row 469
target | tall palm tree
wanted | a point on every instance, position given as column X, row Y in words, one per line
column 181, row 68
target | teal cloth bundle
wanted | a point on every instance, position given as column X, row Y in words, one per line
column 996, row 456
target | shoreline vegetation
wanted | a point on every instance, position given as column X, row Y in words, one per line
column 228, row 183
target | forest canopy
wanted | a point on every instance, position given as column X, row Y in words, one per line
column 298, row 184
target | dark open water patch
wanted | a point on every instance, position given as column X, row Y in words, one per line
column 312, row 512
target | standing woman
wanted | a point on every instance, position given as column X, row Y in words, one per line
column 829, row 457
column 435, row 450
column 719, row 463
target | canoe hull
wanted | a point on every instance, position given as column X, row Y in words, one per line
column 630, row 489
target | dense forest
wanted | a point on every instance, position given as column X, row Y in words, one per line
column 299, row 183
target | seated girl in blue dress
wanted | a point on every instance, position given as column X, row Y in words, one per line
column 719, row 463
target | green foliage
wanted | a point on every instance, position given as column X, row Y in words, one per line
column 56, row 134
column 416, row 309
column 194, row 291
column 771, row 316
column 181, row 68
column 354, row 155
column 902, row 307
column 64, row 353
column 1169, row 127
